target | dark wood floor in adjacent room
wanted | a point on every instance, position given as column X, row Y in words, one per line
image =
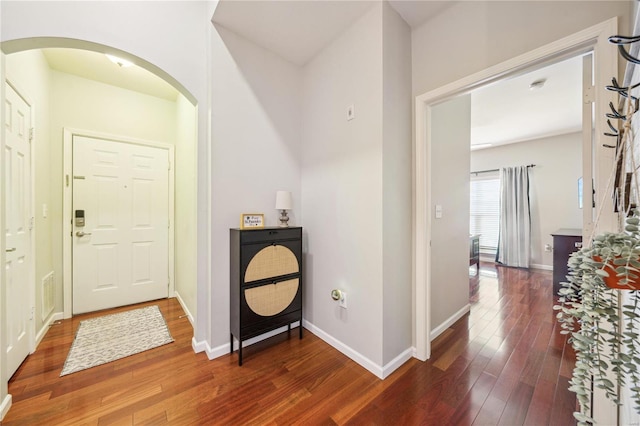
column 505, row 363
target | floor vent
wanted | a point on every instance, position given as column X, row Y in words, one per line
column 48, row 284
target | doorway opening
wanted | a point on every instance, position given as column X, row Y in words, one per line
column 426, row 204
column 90, row 95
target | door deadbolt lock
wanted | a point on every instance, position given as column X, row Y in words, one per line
column 79, row 218
column 82, row 234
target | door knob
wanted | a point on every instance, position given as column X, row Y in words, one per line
column 82, row 234
column 10, row 249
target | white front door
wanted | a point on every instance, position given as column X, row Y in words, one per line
column 121, row 254
column 17, row 180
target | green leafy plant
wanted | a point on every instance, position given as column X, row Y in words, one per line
column 603, row 323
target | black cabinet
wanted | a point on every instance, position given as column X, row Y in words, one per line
column 565, row 242
column 265, row 281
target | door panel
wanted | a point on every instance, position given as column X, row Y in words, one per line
column 17, row 179
column 122, row 257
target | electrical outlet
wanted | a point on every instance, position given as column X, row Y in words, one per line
column 548, row 248
column 343, row 301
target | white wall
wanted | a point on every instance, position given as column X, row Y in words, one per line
column 170, row 38
column 185, row 204
column 342, row 186
column 255, row 151
column 553, row 185
column 356, row 189
column 450, row 140
column 471, row 36
column 396, row 185
column 30, row 72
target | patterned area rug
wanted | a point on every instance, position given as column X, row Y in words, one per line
column 111, row 337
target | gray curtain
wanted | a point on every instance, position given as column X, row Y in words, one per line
column 514, row 240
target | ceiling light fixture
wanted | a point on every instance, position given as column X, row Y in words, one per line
column 538, row 84
column 121, row 62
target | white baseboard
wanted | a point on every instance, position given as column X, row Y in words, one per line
column 449, row 322
column 395, row 363
column 543, row 267
column 4, row 408
column 348, row 351
column 224, row 349
column 185, row 309
column 58, row 316
column 381, row 372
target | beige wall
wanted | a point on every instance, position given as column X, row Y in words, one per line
column 342, row 186
column 471, row 36
column 553, row 187
column 450, row 140
column 185, row 204
column 396, row 185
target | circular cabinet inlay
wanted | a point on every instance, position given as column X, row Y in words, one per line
column 271, row 299
column 271, row 261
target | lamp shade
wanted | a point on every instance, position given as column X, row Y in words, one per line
column 283, row 200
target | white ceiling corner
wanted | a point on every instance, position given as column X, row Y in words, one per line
column 294, row 30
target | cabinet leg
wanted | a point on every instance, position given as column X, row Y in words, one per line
column 289, row 329
column 300, row 328
column 231, row 344
column 240, row 352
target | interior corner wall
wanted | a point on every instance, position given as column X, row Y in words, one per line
column 342, row 197
column 255, row 127
column 449, row 181
column 396, row 186
column 553, row 184
column 29, row 71
column 185, row 204
column 490, row 32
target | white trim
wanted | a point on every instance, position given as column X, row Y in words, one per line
column 382, row 372
column 184, row 307
column 593, row 38
column 218, row 351
column 449, row 322
column 45, row 328
column 397, row 362
column 5, row 406
column 67, row 192
column 31, row 214
column 542, row 267
column 356, row 356
column 202, row 346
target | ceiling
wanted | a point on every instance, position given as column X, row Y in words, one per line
column 96, row 66
column 509, row 111
column 504, row 112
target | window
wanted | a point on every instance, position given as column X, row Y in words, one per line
column 485, row 210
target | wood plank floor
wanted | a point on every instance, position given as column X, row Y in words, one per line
column 504, row 363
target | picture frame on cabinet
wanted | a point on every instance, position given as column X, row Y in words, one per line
column 251, row 221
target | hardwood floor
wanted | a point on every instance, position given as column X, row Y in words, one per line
column 504, row 363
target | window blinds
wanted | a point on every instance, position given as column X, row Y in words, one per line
column 485, row 210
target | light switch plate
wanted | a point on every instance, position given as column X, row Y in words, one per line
column 351, row 112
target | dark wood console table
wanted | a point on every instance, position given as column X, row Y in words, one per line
column 565, row 242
